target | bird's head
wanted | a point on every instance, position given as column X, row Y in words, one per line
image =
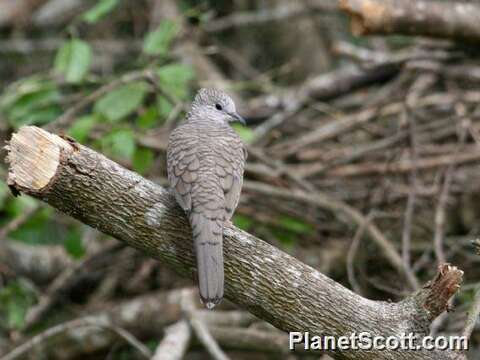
column 217, row 105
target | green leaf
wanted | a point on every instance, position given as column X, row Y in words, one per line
column 286, row 238
column 18, row 205
column 39, row 116
column 30, row 101
column 296, row 225
column 122, row 102
column 244, row 132
column 97, row 12
column 152, row 344
column 142, row 160
column 243, row 222
column 15, row 300
column 39, row 229
column 4, row 193
column 73, row 244
column 149, row 118
column 20, row 88
column 164, row 107
column 120, row 143
column 174, row 79
column 82, row 127
column 158, row 42
column 73, row 60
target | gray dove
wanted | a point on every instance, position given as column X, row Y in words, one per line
column 205, row 162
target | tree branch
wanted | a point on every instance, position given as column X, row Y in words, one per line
column 259, row 277
column 283, row 12
column 39, row 263
column 175, row 343
column 444, row 19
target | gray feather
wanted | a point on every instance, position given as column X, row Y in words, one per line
column 205, row 162
column 207, row 237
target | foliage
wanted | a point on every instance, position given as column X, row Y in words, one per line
column 15, row 299
column 3, row 193
column 126, row 109
column 175, row 78
column 142, row 160
column 243, row 222
column 295, row 225
column 82, row 127
column 73, row 60
column 119, row 143
column 245, row 133
column 73, row 243
column 31, row 101
column 158, row 42
column 121, row 102
column 148, row 118
column 99, row 11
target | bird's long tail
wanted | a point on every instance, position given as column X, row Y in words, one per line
column 208, row 238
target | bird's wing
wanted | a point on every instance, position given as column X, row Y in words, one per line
column 229, row 168
column 182, row 166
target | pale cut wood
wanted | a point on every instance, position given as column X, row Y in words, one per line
column 34, row 156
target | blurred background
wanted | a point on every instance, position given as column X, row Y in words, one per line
column 363, row 159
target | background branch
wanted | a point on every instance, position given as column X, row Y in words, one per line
column 445, row 19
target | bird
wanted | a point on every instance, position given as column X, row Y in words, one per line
column 205, row 165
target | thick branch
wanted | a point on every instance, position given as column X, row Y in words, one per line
column 444, row 19
column 259, row 277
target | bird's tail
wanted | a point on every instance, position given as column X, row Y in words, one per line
column 208, row 238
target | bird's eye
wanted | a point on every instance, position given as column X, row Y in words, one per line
column 218, row 107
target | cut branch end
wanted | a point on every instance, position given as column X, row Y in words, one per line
column 441, row 289
column 34, row 155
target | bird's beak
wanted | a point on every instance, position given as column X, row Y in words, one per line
column 238, row 118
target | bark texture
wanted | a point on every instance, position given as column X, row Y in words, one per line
column 445, row 19
column 259, row 277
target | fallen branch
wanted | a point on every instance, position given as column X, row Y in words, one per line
column 259, row 277
column 444, row 19
column 145, row 315
column 175, row 343
column 90, row 321
column 29, row 46
column 342, row 210
column 57, row 287
column 151, row 316
column 321, row 87
column 403, row 167
column 289, row 11
column 38, row 263
column 473, row 315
